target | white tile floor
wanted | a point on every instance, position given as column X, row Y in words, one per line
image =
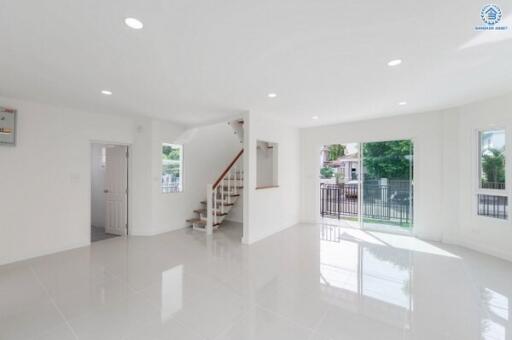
column 308, row 282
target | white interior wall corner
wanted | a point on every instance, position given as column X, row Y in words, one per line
column 271, row 210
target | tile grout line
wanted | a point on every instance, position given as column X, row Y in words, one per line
column 54, row 303
column 132, row 289
column 138, row 292
column 291, row 320
column 233, row 323
column 286, row 318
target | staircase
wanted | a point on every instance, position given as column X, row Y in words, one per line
column 220, row 197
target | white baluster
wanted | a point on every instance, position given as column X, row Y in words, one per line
column 238, row 172
column 229, row 183
column 210, row 201
column 222, row 196
column 236, row 180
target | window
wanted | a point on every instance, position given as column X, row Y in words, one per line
column 103, row 157
column 492, row 159
column 172, row 168
column 492, row 199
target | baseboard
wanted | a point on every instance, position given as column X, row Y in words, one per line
column 43, row 253
column 487, row 250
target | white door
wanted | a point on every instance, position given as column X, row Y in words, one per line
column 116, row 190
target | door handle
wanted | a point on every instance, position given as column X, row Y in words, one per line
column 105, row 191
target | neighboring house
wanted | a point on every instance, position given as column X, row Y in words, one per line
column 346, row 166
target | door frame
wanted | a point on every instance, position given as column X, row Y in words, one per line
column 415, row 172
column 413, row 187
column 129, row 181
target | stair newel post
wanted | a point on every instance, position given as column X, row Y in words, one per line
column 210, row 202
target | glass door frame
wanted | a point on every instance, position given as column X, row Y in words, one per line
column 411, row 188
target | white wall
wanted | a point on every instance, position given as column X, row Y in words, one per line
column 266, row 164
column 445, row 170
column 207, row 151
column 236, row 214
column 45, row 179
column 271, row 210
column 427, row 132
column 97, row 186
column 485, row 234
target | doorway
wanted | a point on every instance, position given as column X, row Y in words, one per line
column 340, row 182
column 368, row 185
column 109, row 191
column 387, row 185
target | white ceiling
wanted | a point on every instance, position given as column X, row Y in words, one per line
column 199, row 61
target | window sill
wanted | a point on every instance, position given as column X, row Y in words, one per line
column 267, row 187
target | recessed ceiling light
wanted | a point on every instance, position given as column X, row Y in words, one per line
column 136, row 24
column 402, row 103
column 314, row 117
column 272, row 95
column 106, row 92
column 395, row 62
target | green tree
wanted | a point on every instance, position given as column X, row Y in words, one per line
column 168, row 152
column 387, row 159
column 493, row 168
column 326, row 172
column 336, row 151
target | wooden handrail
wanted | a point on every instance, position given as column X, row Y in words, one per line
column 227, row 169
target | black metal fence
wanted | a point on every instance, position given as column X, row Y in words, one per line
column 492, row 185
column 389, row 201
column 339, row 200
column 493, row 206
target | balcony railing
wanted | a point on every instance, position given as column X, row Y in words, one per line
column 492, row 185
column 390, row 202
column 170, row 184
column 493, row 206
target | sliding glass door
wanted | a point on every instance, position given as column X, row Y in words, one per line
column 387, row 185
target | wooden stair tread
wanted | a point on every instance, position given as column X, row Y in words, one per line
column 197, row 221
column 223, row 193
column 225, row 204
column 203, row 211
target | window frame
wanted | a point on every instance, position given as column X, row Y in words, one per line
column 181, row 168
column 477, row 179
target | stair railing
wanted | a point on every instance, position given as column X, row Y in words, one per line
column 217, row 193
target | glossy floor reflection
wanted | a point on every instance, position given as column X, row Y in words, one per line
column 307, row 282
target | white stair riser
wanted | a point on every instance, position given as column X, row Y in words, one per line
column 226, row 195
